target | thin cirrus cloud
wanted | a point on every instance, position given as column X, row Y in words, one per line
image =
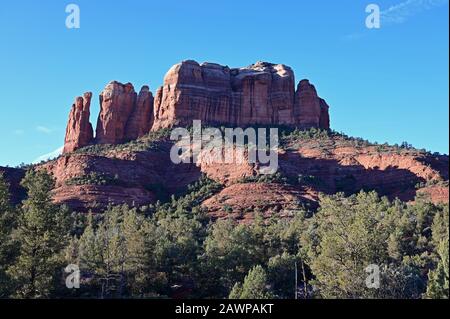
column 401, row 12
column 44, row 129
column 49, row 156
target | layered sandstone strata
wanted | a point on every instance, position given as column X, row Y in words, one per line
column 260, row 94
column 263, row 93
column 79, row 130
column 310, row 109
column 124, row 114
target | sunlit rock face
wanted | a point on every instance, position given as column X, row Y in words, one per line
column 262, row 93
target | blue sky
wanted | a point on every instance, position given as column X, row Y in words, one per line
column 388, row 84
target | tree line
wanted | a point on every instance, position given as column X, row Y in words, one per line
column 173, row 250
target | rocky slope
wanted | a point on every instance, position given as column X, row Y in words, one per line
column 141, row 172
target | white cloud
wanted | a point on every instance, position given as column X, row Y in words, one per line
column 50, row 155
column 400, row 12
column 43, row 129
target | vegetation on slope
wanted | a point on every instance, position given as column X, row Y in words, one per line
column 173, row 250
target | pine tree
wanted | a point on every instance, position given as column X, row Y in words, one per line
column 348, row 234
column 255, row 286
column 438, row 279
column 116, row 253
column 43, row 233
column 230, row 253
column 7, row 244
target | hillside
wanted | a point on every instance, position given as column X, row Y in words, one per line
column 310, row 162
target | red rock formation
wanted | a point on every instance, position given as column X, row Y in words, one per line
column 310, row 110
column 124, row 115
column 117, row 102
column 141, row 119
column 243, row 201
column 79, row 130
column 262, row 93
column 324, row 122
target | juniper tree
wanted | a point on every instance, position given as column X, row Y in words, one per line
column 348, row 234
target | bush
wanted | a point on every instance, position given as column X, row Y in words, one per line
column 95, row 178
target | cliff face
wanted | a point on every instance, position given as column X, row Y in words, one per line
column 79, row 130
column 310, row 110
column 263, row 94
column 124, row 115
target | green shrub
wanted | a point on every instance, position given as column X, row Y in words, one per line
column 95, row 178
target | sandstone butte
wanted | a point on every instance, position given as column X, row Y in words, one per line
column 262, row 93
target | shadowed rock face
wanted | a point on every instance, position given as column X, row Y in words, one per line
column 117, row 103
column 260, row 94
column 124, row 115
column 79, row 130
column 141, row 118
column 310, row 110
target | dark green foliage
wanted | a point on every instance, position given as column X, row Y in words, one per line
column 255, row 286
column 188, row 202
column 95, row 178
column 173, row 249
column 265, row 178
column 438, row 279
column 145, row 143
column 161, row 193
column 329, row 139
column 350, row 233
column 232, row 250
column 8, row 247
column 42, row 232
